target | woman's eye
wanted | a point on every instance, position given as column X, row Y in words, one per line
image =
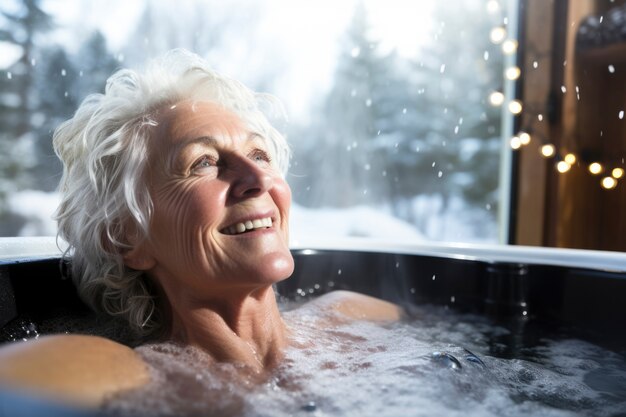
column 203, row 163
column 259, row 155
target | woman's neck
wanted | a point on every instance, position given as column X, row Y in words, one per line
column 243, row 327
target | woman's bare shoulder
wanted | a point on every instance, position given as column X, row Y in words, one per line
column 358, row 306
column 78, row 369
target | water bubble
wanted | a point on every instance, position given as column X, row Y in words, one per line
column 563, row 89
column 339, row 271
column 417, row 149
column 365, row 192
column 456, row 129
column 332, row 283
column 397, row 264
column 368, row 103
column 486, row 55
column 601, row 19
column 65, row 94
column 460, row 120
column 355, row 52
column 452, row 299
column 378, row 133
column 367, row 167
column 316, row 286
column 433, row 165
column 434, row 276
column 412, row 290
column 120, row 57
column 440, row 174
column 488, row 206
column 310, row 406
column 540, row 117
column 80, row 73
column 611, row 69
column 621, row 114
column 63, row 72
column 33, row 62
column 535, row 64
column 354, row 144
column 384, row 173
column 404, row 110
column 442, row 69
column 353, row 93
column 9, row 75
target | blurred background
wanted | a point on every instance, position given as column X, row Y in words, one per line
column 408, row 120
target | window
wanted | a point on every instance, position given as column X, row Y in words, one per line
column 393, row 124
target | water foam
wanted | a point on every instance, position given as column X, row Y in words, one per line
column 419, row 367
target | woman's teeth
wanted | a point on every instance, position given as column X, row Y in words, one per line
column 248, row 225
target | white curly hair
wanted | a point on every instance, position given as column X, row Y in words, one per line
column 103, row 194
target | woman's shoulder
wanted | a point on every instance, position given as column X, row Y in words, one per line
column 79, row 369
column 353, row 305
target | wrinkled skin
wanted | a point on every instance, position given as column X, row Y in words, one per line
column 201, row 186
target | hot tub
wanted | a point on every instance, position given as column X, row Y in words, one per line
column 535, row 293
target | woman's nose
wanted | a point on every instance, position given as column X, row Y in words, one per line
column 250, row 179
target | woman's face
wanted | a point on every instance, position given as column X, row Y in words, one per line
column 221, row 207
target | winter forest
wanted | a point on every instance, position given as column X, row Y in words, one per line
column 388, row 144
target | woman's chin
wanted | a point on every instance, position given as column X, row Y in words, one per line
column 275, row 267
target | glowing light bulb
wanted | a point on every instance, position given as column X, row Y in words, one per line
column 562, row 167
column 497, row 34
column 515, row 142
column 509, row 46
column 512, row 73
column 595, row 168
column 493, row 6
column 524, row 138
column 547, row 150
column 617, row 173
column 496, row 98
column 570, row 158
column 515, row 107
column 609, row 182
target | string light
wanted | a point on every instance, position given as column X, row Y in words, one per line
column 547, row 150
column 595, row 168
column 497, row 34
column 563, row 167
column 512, row 73
column 493, row 6
column 509, row 46
column 609, row 183
column 570, row 158
column 515, row 106
column 524, row 138
column 496, row 98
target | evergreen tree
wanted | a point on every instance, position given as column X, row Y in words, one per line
column 94, row 64
column 346, row 158
column 458, row 70
column 18, row 101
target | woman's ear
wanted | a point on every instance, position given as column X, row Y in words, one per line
column 138, row 258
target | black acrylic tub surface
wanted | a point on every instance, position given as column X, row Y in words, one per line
column 583, row 292
column 535, row 293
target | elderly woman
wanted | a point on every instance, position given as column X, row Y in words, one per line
column 176, row 210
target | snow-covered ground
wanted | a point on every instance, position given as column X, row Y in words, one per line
column 458, row 223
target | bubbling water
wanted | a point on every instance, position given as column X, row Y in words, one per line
column 436, row 363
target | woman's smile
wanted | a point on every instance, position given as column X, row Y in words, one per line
column 217, row 186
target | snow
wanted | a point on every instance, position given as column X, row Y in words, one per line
column 456, row 223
